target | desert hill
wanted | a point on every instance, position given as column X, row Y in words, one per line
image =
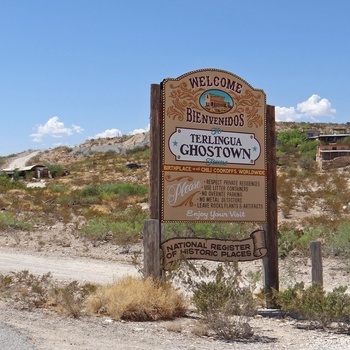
column 123, row 144
column 88, row 216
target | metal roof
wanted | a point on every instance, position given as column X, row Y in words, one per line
column 25, row 168
column 334, row 150
column 328, row 135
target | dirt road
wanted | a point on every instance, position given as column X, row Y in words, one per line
column 65, row 268
column 20, row 162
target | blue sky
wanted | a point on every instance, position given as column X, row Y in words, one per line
column 78, row 69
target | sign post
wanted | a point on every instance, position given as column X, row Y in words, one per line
column 153, row 228
column 270, row 261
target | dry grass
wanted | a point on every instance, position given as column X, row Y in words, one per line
column 138, row 299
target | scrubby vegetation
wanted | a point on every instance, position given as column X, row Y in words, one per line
column 133, row 299
column 102, row 196
column 319, row 198
column 316, row 305
column 122, row 227
column 104, row 201
column 223, row 297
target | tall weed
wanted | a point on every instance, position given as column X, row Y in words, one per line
column 128, row 189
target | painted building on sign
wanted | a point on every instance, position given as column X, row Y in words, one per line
column 216, row 103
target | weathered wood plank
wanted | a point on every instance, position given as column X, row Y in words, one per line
column 270, row 262
column 316, row 262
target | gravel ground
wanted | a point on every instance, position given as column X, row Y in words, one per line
column 12, row 339
column 49, row 331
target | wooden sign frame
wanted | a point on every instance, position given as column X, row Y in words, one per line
column 154, row 228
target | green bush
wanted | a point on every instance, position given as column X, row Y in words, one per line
column 123, row 227
column 140, row 152
column 222, row 296
column 55, row 169
column 299, row 240
column 288, row 141
column 75, row 198
column 59, row 188
column 94, row 194
column 6, row 183
column 308, row 148
column 222, row 289
column 8, row 221
column 340, row 242
column 315, row 304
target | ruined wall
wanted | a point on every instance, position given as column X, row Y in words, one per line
column 335, row 163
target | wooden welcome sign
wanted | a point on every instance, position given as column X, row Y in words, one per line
column 213, row 149
column 217, row 163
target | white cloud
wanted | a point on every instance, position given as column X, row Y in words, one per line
column 316, row 107
column 77, row 128
column 54, row 128
column 286, row 114
column 107, row 133
column 118, row 133
column 139, row 131
column 311, row 109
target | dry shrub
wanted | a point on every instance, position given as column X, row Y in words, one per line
column 223, row 326
column 28, row 291
column 137, row 299
column 222, row 296
column 71, row 298
column 227, row 326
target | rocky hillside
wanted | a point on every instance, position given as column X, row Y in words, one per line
column 64, row 155
column 323, row 128
column 123, row 145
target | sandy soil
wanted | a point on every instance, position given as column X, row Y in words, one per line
column 49, row 331
column 57, row 250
